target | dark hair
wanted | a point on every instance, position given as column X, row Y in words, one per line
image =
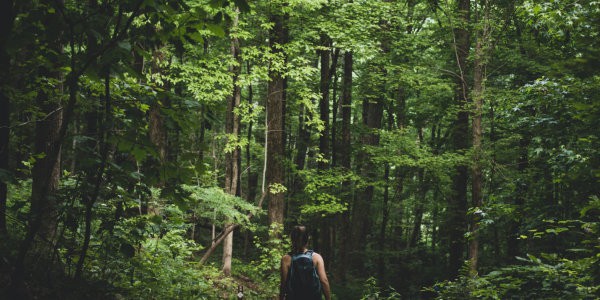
column 299, row 238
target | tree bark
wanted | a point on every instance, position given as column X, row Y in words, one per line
column 324, row 103
column 457, row 203
column 345, row 150
column 232, row 129
column 415, row 236
column 252, row 179
column 477, row 133
column 275, row 173
column 335, row 108
column 46, row 170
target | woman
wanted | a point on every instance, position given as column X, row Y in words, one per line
column 302, row 271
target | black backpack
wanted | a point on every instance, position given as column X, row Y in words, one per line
column 303, row 281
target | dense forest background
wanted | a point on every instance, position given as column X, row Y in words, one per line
column 163, row 149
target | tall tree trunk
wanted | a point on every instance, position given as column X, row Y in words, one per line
column 7, row 20
column 415, row 236
column 232, row 129
column 345, row 151
column 477, row 133
column 324, row 102
column 361, row 210
column 335, row 108
column 252, row 179
column 46, row 170
column 275, row 174
column 457, row 202
column 156, row 120
column 328, row 66
column 385, row 210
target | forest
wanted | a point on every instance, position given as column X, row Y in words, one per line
column 164, row 149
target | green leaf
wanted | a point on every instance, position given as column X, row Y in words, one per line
column 216, row 29
column 139, row 153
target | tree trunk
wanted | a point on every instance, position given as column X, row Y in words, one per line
column 275, row 175
column 252, row 179
column 46, row 170
column 361, row 210
column 457, row 202
column 477, row 132
column 385, row 211
column 324, row 103
column 345, row 151
column 7, row 20
column 328, row 66
column 302, row 142
column 232, row 129
column 335, row 108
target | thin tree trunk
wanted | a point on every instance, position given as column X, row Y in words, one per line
column 252, row 179
column 385, row 211
column 302, row 142
column 415, row 236
column 228, row 229
column 90, row 200
column 335, row 107
column 232, row 129
column 324, row 103
column 345, row 151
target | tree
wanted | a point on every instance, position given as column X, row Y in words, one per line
column 232, row 124
column 275, row 140
column 457, row 203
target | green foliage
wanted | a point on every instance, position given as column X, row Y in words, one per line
column 551, row 278
column 372, row 291
column 322, row 189
column 219, row 207
column 570, row 274
column 154, row 258
column 161, row 134
column 265, row 269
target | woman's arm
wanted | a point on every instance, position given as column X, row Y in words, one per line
column 284, row 268
column 323, row 276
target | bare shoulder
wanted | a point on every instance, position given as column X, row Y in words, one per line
column 286, row 259
column 317, row 257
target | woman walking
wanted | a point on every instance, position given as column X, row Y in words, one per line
column 303, row 274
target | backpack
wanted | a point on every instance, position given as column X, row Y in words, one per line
column 303, row 281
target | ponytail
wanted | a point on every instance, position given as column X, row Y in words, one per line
column 299, row 237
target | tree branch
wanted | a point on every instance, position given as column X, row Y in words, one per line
column 227, row 230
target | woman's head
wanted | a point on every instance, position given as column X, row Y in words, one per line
column 299, row 238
